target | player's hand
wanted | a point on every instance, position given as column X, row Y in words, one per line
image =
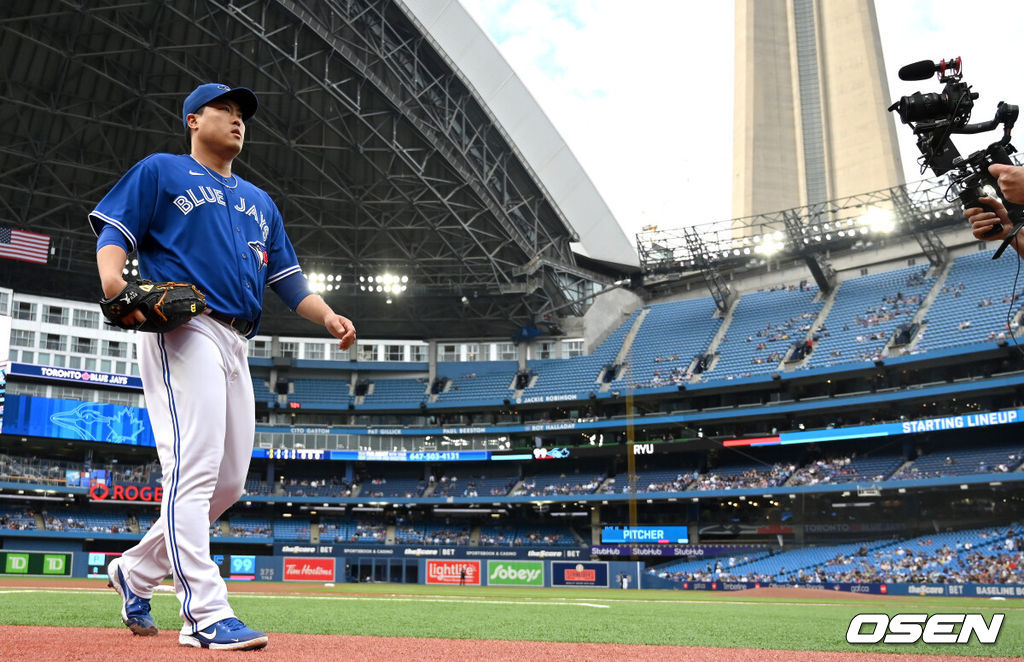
column 1010, row 180
column 341, row 328
column 112, row 288
column 982, row 220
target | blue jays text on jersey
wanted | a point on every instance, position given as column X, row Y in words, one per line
column 187, row 225
column 186, row 203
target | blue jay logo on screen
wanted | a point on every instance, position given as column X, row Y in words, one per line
column 90, row 421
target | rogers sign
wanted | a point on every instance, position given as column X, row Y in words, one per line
column 308, row 569
column 100, row 492
column 450, row 572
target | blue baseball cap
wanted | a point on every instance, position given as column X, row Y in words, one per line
column 204, row 94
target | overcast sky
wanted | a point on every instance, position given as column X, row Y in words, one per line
column 641, row 91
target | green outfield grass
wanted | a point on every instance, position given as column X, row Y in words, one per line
column 690, row 618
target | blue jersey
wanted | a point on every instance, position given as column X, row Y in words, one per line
column 188, row 225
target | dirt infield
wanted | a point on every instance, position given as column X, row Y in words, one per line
column 31, row 644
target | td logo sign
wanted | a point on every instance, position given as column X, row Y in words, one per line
column 515, row 573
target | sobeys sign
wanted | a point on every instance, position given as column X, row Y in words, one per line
column 515, row 573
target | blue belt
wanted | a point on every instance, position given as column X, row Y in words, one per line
column 243, row 326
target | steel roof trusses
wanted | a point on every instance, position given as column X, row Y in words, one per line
column 379, row 156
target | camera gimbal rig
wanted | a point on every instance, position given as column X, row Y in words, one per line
column 935, row 117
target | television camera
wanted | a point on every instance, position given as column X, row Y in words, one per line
column 935, row 117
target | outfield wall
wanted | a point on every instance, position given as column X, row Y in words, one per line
column 33, row 561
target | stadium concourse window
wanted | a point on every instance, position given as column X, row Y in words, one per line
column 546, row 350
column 418, row 353
column 572, row 348
column 314, row 351
column 55, row 315
column 115, row 349
column 83, row 345
column 449, row 353
column 394, row 353
column 289, row 350
column 23, row 338
column 5, row 302
column 86, row 319
column 259, row 349
column 506, row 351
column 53, row 341
column 339, row 354
column 23, row 310
column 368, row 352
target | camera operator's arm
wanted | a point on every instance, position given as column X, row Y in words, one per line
column 1010, row 180
column 982, row 220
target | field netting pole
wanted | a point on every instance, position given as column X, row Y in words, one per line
column 630, row 456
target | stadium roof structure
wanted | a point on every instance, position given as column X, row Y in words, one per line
column 382, row 144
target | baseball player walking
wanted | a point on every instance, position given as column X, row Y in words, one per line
column 192, row 220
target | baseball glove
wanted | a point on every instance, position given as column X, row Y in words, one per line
column 165, row 305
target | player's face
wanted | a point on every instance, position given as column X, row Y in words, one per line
column 220, row 126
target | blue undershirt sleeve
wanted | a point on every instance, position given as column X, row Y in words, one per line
column 292, row 289
column 111, row 236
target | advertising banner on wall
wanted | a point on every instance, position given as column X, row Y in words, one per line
column 453, row 572
column 515, row 573
column 592, row 574
column 47, row 564
column 308, row 569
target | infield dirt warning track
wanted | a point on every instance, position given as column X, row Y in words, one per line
column 75, row 644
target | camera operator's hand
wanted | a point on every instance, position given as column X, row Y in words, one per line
column 982, row 220
column 1011, row 181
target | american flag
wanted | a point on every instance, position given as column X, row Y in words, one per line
column 25, row 246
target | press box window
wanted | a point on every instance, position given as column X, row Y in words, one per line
column 449, row 353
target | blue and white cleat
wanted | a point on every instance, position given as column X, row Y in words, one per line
column 226, row 634
column 134, row 610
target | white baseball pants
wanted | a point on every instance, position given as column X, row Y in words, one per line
column 200, row 401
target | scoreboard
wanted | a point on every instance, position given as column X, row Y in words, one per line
column 644, row 534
